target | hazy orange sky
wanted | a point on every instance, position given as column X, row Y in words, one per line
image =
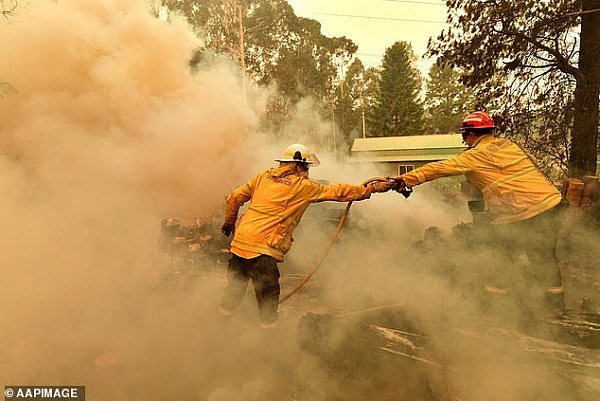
column 375, row 25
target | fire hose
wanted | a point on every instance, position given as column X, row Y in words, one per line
column 399, row 187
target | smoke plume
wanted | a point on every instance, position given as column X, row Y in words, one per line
column 108, row 132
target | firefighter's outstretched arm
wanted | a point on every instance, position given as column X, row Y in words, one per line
column 347, row 192
column 234, row 201
column 456, row 165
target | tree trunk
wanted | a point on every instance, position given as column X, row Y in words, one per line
column 584, row 137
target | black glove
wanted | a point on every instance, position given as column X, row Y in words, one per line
column 401, row 187
column 228, row 229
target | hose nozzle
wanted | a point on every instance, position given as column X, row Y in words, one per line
column 401, row 187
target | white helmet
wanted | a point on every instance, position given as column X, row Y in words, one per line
column 299, row 153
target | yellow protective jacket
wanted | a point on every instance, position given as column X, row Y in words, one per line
column 278, row 198
column 513, row 188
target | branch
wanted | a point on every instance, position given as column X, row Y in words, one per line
column 539, row 57
column 524, row 88
column 578, row 13
column 551, row 65
column 260, row 26
column 541, row 74
column 562, row 63
column 9, row 11
column 574, row 49
column 543, row 148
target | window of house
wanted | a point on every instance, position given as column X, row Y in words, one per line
column 405, row 168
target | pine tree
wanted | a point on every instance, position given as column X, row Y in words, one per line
column 398, row 110
column 447, row 100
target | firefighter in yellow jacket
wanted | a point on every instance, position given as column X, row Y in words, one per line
column 520, row 203
column 263, row 235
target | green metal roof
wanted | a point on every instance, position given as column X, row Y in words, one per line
column 408, row 142
column 407, row 148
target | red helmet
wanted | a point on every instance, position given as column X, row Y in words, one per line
column 477, row 120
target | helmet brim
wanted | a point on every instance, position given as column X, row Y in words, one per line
column 294, row 160
column 463, row 129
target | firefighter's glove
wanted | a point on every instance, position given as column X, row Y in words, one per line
column 401, row 187
column 228, row 229
column 381, row 186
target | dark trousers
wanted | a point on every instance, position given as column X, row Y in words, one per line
column 537, row 238
column 265, row 278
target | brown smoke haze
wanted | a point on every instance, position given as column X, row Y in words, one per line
column 110, row 132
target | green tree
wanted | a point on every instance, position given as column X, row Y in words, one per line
column 523, row 56
column 307, row 65
column 356, row 96
column 370, row 94
column 398, row 109
column 350, row 103
column 278, row 47
column 447, row 100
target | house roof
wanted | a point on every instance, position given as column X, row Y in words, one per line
column 406, row 148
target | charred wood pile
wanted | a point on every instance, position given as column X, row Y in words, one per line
column 406, row 357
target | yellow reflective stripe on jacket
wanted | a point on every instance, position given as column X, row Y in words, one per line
column 555, row 290
column 256, row 248
column 547, row 204
column 420, row 176
column 282, row 217
column 508, row 179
